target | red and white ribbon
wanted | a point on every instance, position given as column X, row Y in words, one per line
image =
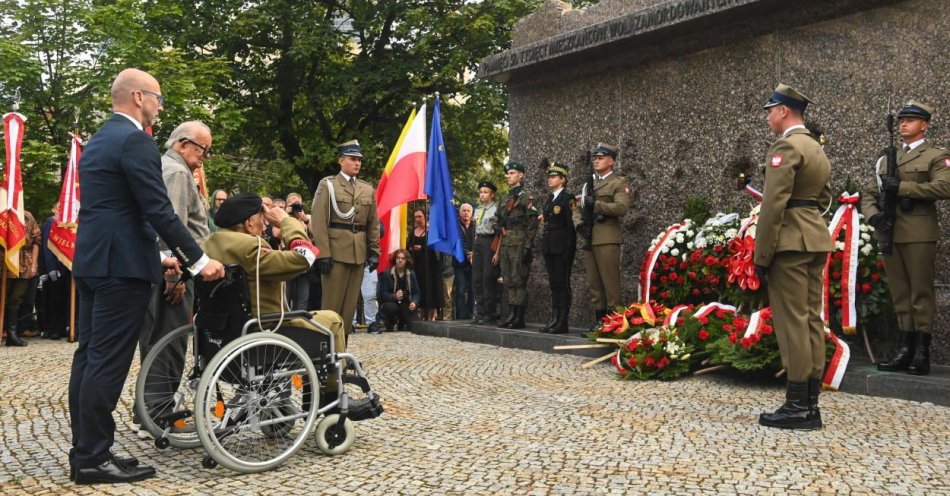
column 752, row 191
column 835, row 368
column 652, row 256
column 674, row 315
column 846, row 218
column 711, row 307
column 755, row 320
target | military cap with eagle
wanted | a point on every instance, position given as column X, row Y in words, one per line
column 917, row 109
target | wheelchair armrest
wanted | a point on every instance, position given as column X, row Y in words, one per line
column 274, row 317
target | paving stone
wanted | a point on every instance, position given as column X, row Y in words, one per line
column 467, row 418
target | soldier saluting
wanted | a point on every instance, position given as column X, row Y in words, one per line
column 791, row 247
column 516, row 221
column 608, row 200
column 923, row 176
column 558, row 243
column 346, row 231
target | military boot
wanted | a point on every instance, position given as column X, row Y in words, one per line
column 550, row 325
column 560, row 326
column 814, row 388
column 920, row 365
column 903, row 354
column 518, row 323
column 13, row 338
column 598, row 316
column 794, row 414
column 510, row 318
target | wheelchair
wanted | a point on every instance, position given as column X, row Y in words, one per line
column 250, row 399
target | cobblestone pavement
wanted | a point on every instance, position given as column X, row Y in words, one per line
column 466, row 418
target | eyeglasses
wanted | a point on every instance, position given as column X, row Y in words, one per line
column 222, row 199
column 205, row 150
column 158, row 96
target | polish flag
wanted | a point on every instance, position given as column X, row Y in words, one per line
column 12, row 225
column 62, row 234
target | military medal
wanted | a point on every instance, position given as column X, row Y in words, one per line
column 557, row 209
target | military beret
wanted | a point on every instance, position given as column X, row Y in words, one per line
column 788, row 96
column 487, row 184
column 604, row 149
column 237, row 209
column 916, row 109
column 514, row 165
column 350, row 148
column 557, row 169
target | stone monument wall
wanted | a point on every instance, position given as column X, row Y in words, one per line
column 676, row 84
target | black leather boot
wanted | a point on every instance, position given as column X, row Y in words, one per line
column 510, row 318
column 794, row 414
column 902, row 354
column 13, row 338
column 518, row 323
column 560, row 326
column 598, row 315
column 555, row 311
column 920, row 365
column 814, row 388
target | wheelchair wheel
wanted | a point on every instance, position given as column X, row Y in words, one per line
column 255, row 403
column 165, row 388
column 331, row 439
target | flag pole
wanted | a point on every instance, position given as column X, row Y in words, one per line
column 72, row 282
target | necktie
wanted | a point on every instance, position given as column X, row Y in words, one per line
column 906, row 148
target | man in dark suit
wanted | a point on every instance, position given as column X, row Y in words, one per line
column 558, row 244
column 117, row 260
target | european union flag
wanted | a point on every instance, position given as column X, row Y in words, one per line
column 444, row 234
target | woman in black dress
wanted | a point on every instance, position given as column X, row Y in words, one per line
column 426, row 264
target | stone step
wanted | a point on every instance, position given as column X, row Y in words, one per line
column 862, row 377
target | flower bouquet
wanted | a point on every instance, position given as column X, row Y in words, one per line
column 749, row 345
column 663, row 273
column 635, row 318
column 657, row 353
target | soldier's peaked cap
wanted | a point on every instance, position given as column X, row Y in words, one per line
column 557, row 169
column 514, row 165
column 605, row 149
column 914, row 108
column 350, row 148
column 237, row 209
column 788, row 96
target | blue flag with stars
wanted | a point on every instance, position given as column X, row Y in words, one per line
column 444, row 233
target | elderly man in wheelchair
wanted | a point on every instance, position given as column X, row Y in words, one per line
column 255, row 378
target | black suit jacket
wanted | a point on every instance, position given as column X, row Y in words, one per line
column 124, row 203
column 558, row 235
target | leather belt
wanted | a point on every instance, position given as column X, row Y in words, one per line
column 794, row 203
column 489, row 235
column 348, row 227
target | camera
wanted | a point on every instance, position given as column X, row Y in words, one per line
column 296, row 208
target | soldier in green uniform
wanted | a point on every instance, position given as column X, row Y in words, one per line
column 610, row 200
column 791, row 247
column 346, row 230
column 923, row 176
column 240, row 221
column 516, row 221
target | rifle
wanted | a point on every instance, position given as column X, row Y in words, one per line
column 496, row 239
column 887, row 202
column 587, row 231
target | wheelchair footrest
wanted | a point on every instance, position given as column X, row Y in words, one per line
column 169, row 419
column 365, row 408
column 359, row 381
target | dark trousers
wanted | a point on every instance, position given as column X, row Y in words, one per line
column 298, row 293
column 26, row 319
column 110, row 318
column 55, row 305
column 397, row 314
column 559, row 278
column 484, row 278
column 462, row 296
column 16, row 290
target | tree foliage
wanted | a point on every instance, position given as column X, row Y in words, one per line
column 280, row 82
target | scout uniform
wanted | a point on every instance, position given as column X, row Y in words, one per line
column 923, row 176
column 558, row 243
column 484, row 272
column 346, row 230
column 791, row 245
column 270, row 267
column 611, row 196
column 517, row 220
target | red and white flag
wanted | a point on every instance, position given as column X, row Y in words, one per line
column 62, row 234
column 12, row 229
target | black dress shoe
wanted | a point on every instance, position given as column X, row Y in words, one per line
column 112, row 471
